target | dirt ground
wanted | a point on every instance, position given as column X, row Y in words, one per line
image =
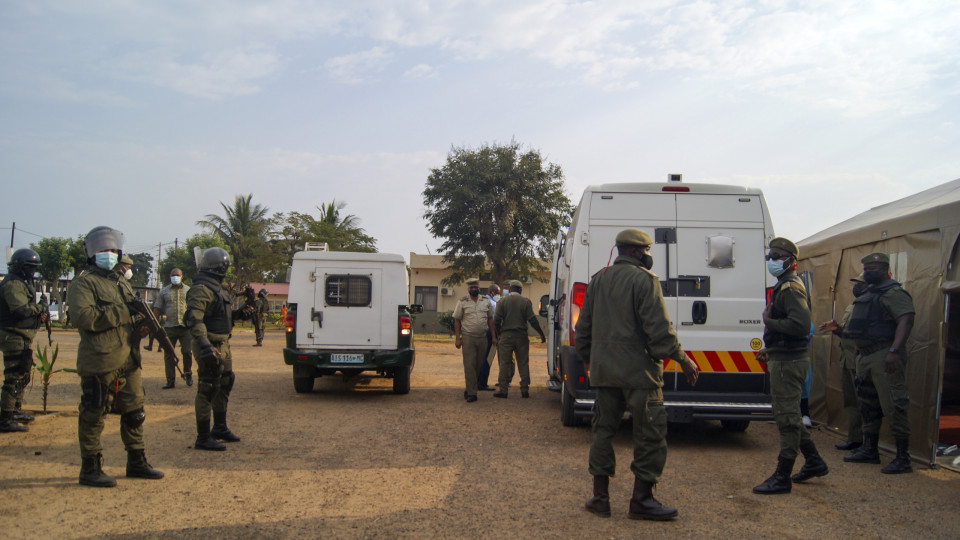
column 353, row 460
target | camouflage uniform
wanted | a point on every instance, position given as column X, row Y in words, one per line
column 19, row 321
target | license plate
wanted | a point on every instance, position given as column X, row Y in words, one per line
column 346, row 358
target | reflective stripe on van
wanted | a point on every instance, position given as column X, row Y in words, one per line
column 721, row 362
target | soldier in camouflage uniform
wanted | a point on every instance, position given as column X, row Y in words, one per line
column 210, row 319
column 108, row 358
column 260, row 309
column 786, row 336
column 880, row 324
column 623, row 336
column 20, row 317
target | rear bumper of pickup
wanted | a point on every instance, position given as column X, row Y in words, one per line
column 320, row 362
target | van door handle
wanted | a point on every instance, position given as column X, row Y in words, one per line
column 699, row 312
column 316, row 316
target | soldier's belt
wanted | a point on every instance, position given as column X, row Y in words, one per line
column 870, row 349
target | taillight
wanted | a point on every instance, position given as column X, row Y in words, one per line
column 404, row 325
column 769, row 294
column 676, row 189
column 576, row 302
column 290, row 321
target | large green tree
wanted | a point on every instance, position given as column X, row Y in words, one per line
column 55, row 262
column 244, row 228
column 341, row 232
column 142, row 269
column 77, row 254
column 498, row 209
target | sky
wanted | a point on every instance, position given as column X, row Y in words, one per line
column 145, row 116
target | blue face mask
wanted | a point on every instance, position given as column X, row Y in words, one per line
column 775, row 267
column 175, row 280
column 106, row 260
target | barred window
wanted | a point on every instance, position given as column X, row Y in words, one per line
column 348, row 291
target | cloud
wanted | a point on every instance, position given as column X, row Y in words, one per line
column 421, row 71
column 355, row 68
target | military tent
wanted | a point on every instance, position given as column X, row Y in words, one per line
column 921, row 234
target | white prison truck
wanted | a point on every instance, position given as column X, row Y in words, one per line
column 710, row 242
column 347, row 313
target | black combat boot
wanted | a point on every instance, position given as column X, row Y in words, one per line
column 220, row 430
column 813, row 464
column 779, row 482
column 8, row 423
column 205, row 441
column 901, row 463
column 137, row 466
column 600, row 503
column 867, row 453
column 849, row 445
column 644, row 506
column 20, row 416
column 91, row 472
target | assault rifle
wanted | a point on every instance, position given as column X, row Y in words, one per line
column 250, row 296
column 140, row 307
column 46, row 322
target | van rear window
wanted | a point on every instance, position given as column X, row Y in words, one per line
column 348, row 291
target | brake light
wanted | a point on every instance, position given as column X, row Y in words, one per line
column 404, row 325
column 683, row 189
column 576, row 302
column 290, row 321
column 769, row 294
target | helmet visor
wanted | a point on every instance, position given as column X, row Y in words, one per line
column 103, row 239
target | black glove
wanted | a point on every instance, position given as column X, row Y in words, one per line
column 207, row 352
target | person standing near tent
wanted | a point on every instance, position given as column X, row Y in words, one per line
column 848, row 373
column 786, row 337
column 880, row 324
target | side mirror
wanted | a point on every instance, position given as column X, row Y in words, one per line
column 544, row 302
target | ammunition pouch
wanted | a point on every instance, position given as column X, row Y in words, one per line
column 93, row 394
column 26, row 362
column 133, row 419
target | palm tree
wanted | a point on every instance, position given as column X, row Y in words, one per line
column 244, row 228
column 342, row 233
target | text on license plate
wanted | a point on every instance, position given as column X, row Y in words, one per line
column 339, row 358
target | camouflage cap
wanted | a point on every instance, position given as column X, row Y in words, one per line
column 633, row 237
column 786, row 245
column 858, row 279
column 515, row 283
column 473, row 281
column 876, row 258
column 126, row 260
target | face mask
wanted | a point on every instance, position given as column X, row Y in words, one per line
column 873, row 276
column 474, row 292
column 859, row 289
column 106, row 260
column 775, row 268
column 646, row 261
column 128, row 274
column 175, row 280
column 496, row 297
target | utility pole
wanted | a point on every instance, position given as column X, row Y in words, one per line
column 12, row 230
column 157, row 275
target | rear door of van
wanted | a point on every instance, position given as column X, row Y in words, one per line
column 348, row 308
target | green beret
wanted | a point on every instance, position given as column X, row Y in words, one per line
column 515, row 283
column 633, row 237
column 126, row 260
column 876, row 258
column 473, row 281
column 858, row 279
column 786, row 245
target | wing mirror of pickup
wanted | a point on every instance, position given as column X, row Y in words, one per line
column 413, row 308
column 544, row 302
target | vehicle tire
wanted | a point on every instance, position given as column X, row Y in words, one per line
column 567, row 416
column 401, row 380
column 303, row 385
column 735, row 425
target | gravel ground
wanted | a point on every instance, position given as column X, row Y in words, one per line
column 353, row 460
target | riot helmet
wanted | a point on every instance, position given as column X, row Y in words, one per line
column 214, row 261
column 24, row 263
column 102, row 239
column 263, row 293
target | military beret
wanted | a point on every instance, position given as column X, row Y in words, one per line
column 858, row 279
column 515, row 283
column 473, row 281
column 633, row 237
column 876, row 258
column 126, row 260
column 786, row 245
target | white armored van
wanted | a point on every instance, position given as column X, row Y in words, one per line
column 710, row 242
column 347, row 313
